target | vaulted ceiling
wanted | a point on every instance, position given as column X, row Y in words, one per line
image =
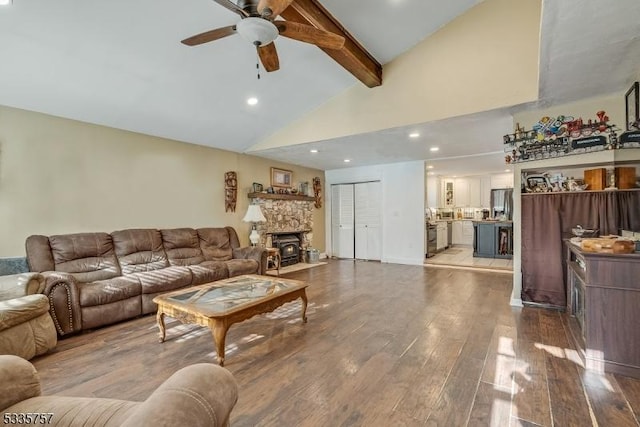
column 120, row 64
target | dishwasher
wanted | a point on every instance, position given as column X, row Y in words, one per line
column 432, row 240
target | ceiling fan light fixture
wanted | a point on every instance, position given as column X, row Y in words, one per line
column 257, row 30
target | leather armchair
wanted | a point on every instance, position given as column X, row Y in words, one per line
column 26, row 328
column 197, row 395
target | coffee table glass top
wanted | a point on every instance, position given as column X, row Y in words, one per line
column 218, row 298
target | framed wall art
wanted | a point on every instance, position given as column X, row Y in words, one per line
column 281, row 178
column 632, row 110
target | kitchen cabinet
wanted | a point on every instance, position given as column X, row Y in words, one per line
column 474, row 192
column 462, row 233
column 461, row 192
column 456, row 234
column 602, row 300
column 503, row 180
column 433, row 192
column 447, row 193
column 485, row 192
column 467, row 232
column 442, row 242
column 493, row 239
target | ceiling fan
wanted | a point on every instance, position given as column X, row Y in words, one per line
column 259, row 27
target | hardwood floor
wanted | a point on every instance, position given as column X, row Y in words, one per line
column 384, row 345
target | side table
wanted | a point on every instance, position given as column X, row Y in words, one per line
column 273, row 259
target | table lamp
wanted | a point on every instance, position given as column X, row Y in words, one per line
column 253, row 215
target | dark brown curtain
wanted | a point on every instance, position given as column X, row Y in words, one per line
column 629, row 210
column 546, row 220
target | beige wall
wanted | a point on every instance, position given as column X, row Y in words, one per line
column 64, row 176
column 485, row 59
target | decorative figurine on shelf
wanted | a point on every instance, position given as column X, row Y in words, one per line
column 317, row 189
column 520, row 133
column 230, row 191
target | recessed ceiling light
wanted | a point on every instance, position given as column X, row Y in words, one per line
column 455, row 176
column 251, row 101
column 347, row 160
column 5, row 2
column 434, row 149
column 414, row 135
column 507, row 170
column 314, row 151
column 430, row 167
column 430, row 173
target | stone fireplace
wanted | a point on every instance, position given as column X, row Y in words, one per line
column 291, row 219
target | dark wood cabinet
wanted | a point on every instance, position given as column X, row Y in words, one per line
column 603, row 301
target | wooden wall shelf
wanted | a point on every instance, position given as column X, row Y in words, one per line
column 281, row 196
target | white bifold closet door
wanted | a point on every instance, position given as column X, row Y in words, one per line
column 356, row 224
column 368, row 230
column 342, row 221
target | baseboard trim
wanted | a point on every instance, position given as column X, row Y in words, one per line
column 403, row 261
column 516, row 302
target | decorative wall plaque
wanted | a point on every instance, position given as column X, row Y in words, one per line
column 230, row 191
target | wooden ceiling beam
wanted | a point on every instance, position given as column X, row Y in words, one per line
column 353, row 57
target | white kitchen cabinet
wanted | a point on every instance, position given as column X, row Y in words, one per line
column 442, row 238
column 474, row 192
column 456, row 233
column 447, row 193
column 503, row 180
column 485, row 192
column 467, row 232
column 461, row 192
column 433, row 192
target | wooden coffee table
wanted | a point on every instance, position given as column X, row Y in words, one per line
column 218, row 305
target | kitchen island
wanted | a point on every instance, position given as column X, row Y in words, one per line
column 493, row 239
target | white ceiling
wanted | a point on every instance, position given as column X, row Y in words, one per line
column 120, row 64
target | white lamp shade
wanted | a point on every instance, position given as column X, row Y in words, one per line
column 257, row 30
column 254, row 214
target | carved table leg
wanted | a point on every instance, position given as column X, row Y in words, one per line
column 304, row 306
column 160, row 321
column 219, row 336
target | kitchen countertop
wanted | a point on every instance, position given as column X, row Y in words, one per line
column 493, row 221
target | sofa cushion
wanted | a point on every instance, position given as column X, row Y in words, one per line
column 87, row 256
column 215, row 244
column 139, row 250
column 164, row 280
column 108, row 291
column 238, row 267
column 182, row 246
column 209, row 271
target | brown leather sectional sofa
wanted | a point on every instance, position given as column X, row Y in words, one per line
column 95, row 279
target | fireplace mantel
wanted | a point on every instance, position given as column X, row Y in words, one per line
column 281, row 196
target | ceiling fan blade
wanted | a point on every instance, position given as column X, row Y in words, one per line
column 209, row 36
column 309, row 34
column 232, row 7
column 269, row 57
column 274, row 7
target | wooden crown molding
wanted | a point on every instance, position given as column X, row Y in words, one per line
column 353, row 57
